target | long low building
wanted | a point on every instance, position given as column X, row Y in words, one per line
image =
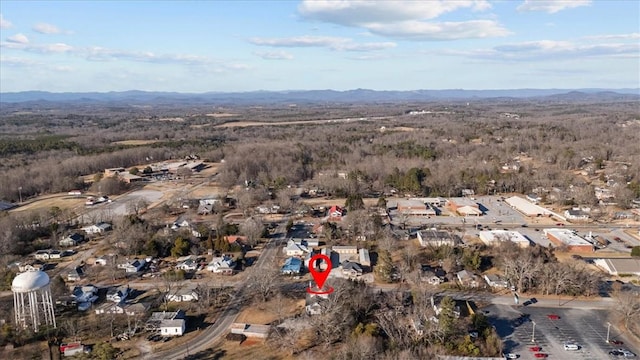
column 528, row 208
column 628, row 266
column 496, row 237
column 569, row 239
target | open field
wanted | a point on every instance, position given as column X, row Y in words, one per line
column 134, row 142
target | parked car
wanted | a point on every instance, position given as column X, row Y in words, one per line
column 511, row 356
column 553, row 317
column 540, row 355
column 535, row 348
column 616, row 342
column 616, row 353
column 571, row 347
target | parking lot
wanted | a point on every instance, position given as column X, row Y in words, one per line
column 585, row 327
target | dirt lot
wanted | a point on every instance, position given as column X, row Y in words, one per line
column 267, row 313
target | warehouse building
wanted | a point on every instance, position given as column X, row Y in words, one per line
column 617, row 267
column 569, row 239
column 496, row 237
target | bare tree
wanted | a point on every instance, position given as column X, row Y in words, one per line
column 252, row 228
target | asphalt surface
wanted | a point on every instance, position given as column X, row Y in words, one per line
column 585, row 327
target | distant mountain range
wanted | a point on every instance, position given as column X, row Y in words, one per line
column 317, row 96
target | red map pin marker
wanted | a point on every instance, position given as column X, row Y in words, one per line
column 319, row 276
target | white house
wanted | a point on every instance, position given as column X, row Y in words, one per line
column 222, row 265
column 98, row 228
column 295, row 249
column 118, row 294
column 42, row 255
column 133, row 266
column 576, row 214
column 172, row 327
column 496, row 281
column 188, row 265
column 184, row 294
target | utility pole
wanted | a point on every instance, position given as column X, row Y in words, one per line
column 20, row 193
column 533, row 334
column 608, row 331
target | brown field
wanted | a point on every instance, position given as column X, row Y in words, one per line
column 266, row 313
column 134, row 142
column 61, row 200
column 302, row 122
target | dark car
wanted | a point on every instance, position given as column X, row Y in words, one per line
column 616, row 353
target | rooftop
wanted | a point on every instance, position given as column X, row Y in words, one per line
column 567, row 237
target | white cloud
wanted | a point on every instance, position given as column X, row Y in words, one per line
column 37, row 48
column 411, row 20
column 551, row 6
column 16, row 61
column 548, row 50
column 631, row 36
column 273, row 55
column 44, row 28
column 361, row 12
column 333, row 43
column 4, row 23
column 18, row 38
column 419, row 30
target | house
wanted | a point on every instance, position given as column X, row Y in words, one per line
column 466, row 278
column 57, row 254
column 576, row 215
column 188, row 265
column 435, row 304
column 496, row 281
column 173, row 327
column 155, row 320
column 137, row 309
column 351, row 269
column 72, row 240
column 133, row 267
column 345, row 249
column 315, row 305
column 42, row 255
column 292, row 266
column 534, row 198
column 76, row 274
column 433, row 275
column 101, row 261
column 236, row 239
column 98, row 228
column 118, row 294
column 84, row 296
column 437, row 238
column 184, row 294
column 222, row 265
column 335, row 213
column 295, row 249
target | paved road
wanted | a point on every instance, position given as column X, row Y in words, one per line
column 209, row 336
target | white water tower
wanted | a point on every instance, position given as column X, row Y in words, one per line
column 32, row 302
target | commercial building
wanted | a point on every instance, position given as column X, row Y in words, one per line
column 628, row 266
column 437, row 238
column 496, row 237
column 528, row 208
column 569, row 239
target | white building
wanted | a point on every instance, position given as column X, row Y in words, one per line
column 222, row 265
column 496, row 237
column 295, row 249
column 436, row 238
column 618, row 267
column 173, row 327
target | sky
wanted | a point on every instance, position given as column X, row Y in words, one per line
column 229, row 46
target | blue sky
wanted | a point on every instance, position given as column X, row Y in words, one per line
column 191, row 46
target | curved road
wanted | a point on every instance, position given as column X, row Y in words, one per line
column 209, row 336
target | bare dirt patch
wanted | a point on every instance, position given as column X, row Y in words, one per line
column 266, row 313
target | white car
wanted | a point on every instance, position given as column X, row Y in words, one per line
column 627, row 353
column 511, row 356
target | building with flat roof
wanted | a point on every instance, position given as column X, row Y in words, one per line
column 437, row 238
column 415, row 208
column 618, row 267
column 528, row 208
column 569, row 239
column 496, row 237
column 465, row 206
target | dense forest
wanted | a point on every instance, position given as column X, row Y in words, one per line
column 437, row 151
